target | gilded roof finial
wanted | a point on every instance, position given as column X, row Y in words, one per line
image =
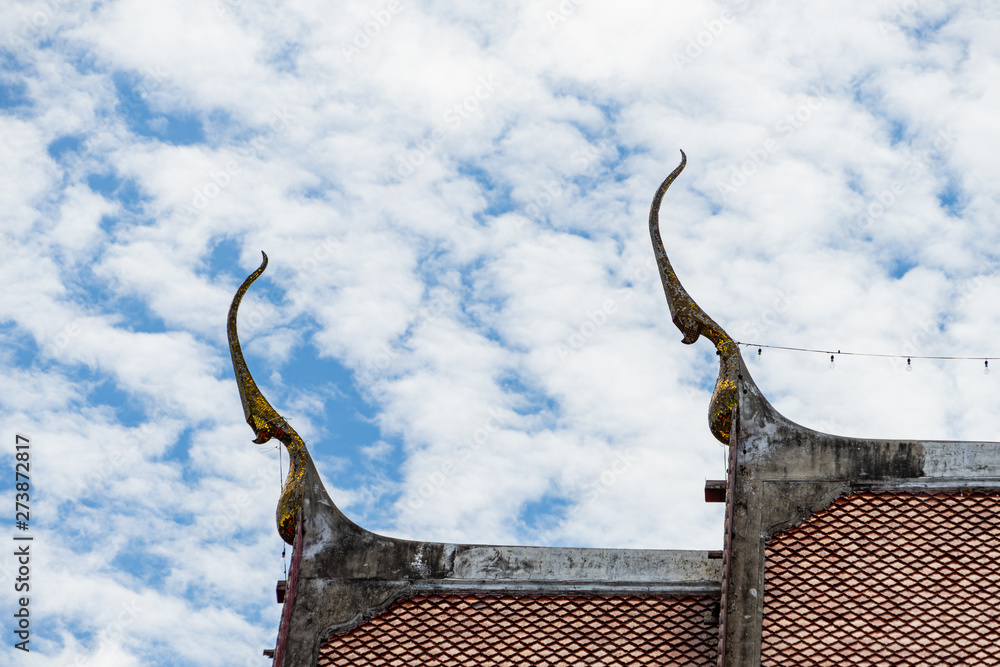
column 694, row 322
column 266, row 422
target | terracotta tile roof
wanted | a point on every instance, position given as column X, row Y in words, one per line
column 515, row 630
column 887, row 579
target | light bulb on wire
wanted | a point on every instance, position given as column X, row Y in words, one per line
column 833, row 356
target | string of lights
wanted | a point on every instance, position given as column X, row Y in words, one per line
column 835, row 353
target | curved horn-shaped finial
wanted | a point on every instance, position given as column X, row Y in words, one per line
column 694, row 322
column 265, row 420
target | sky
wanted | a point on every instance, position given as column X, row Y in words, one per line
column 461, row 314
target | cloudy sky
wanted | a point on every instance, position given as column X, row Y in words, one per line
column 461, row 314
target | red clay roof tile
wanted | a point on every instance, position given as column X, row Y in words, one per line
column 515, row 630
column 887, row 579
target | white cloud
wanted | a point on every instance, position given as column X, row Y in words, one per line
column 456, row 213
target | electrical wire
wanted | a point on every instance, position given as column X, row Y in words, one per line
column 865, row 354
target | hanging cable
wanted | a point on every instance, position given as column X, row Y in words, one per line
column 863, row 354
column 281, row 483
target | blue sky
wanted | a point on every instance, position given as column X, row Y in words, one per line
column 460, row 314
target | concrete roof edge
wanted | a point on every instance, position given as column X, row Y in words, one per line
column 562, row 588
column 514, row 563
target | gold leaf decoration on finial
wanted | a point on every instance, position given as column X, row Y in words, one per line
column 694, row 322
column 266, row 422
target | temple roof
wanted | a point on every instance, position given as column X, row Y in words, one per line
column 836, row 550
column 549, row 631
column 347, row 576
column 912, row 575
